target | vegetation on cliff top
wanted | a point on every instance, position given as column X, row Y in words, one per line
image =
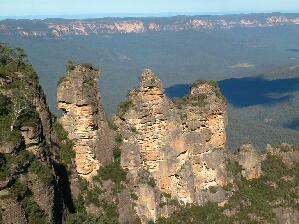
column 72, row 65
column 198, row 99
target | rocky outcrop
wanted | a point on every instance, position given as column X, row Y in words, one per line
column 288, row 153
column 84, row 119
column 250, row 161
column 12, row 211
column 10, row 146
column 180, row 145
column 286, row 215
column 33, row 137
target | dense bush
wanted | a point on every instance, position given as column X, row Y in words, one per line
column 89, row 66
column 34, row 214
column 42, row 170
column 82, row 218
column 233, row 167
column 3, row 173
column 4, row 103
column 18, row 162
column 194, row 100
column 209, row 213
column 112, row 125
column 123, row 107
column 29, row 118
column 202, row 82
column 60, row 132
column 66, row 152
column 18, row 190
column 112, row 172
column 108, row 214
column 71, row 66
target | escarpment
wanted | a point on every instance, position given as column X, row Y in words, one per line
column 181, row 145
column 84, row 119
column 62, row 28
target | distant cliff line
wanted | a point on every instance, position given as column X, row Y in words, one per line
column 59, row 28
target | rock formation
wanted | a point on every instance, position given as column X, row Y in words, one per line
column 12, row 211
column 167, row 153
column 84, row 119
column 180, row 145
column 250, row 161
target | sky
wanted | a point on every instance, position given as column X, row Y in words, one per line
column 19, row 8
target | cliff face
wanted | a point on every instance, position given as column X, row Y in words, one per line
column 84, row 119
column 28, row 186
column 62, row 28
column 180, row 145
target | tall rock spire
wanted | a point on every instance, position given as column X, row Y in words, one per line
column 84, row 118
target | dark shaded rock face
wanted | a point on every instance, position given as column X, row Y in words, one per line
column 84, row 119
column 181, row 146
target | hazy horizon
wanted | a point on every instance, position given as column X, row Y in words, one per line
column 35, row 9
column 124, row 15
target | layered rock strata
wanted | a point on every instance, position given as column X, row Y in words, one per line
column 84, row 119
column 180, row 145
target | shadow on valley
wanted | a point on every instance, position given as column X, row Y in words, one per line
column 178, row 90
column 249, row 91
column 293, row 50
column 293, row 124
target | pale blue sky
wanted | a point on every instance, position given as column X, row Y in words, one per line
column 72, row 7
